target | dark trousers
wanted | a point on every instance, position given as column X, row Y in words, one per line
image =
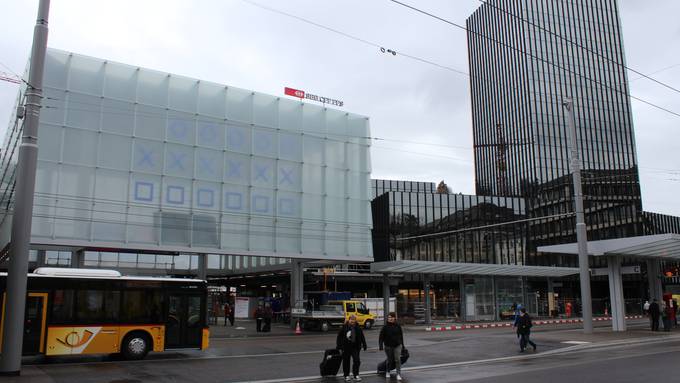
column 267, row 325
column 524, row 340
column 230, row 318
column 258, row 325
column 666, row 324
column 352, row 352
column 655, row 323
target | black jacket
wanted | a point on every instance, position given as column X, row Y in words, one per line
column 343, row 341
column 654, row 310
column 391, row 335
column 524, row 324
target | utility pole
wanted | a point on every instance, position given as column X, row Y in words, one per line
column 13, row 330
column 581, row 234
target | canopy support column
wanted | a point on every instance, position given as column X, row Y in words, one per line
column 386, row 296
column 618, row 311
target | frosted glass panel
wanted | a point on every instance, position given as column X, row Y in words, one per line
column 210, row 134
column 86, row 75
column 150, row 122
column 290, row 147
column 289, row 176
column 335, row 153
column 83, row 111
column 55, row 107
column 80, row 147
column 56, row 69
column 209, row 164
column 179, row 160
column 290, row 115
column 262, row 234
column 239, row 105
column 183, row 94
column 120, row 82
column 49, row 141
column 108, row 218
column 312, row 179
column 264, row 142
column 313, row 150
column 262, row 202
column 312, row 207
column 152, row 88
column 336, row 125
column 263, row 172
column 237, row 168
column 265, row 110
column 238, row 139
column 118, row 116
column 234, row 232
column 212, row 99
column 147, row 156
column 336, row 239
column 335, row 182
column 336, row 208
column 312, row 239
column 180, row 128
column 207, row 196
column 115, row 151
column 176, row 193
column 313, row 119
column 288, row 205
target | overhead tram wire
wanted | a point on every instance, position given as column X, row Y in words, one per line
column 580, row 46
column 599, row 83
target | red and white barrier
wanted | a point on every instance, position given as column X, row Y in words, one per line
column 508, row 324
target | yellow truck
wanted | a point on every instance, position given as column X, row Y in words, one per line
column 335, row 313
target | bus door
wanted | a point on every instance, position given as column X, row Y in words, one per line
column 183, row 327
column 34, row 323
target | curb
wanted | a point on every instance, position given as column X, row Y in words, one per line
column 538, row 323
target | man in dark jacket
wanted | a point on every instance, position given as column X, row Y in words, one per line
column 654, row 315
column 351, row 340
column 524, row 330
column 392, row 337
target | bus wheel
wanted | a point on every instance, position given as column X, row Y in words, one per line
column 135, row 346
column 368, row 324
column 325, row 326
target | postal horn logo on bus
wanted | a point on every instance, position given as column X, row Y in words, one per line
column 73, row 339
column 302, row 94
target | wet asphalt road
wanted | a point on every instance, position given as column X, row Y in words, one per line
column 279, row 358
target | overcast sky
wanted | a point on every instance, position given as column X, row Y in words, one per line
column 239, row 44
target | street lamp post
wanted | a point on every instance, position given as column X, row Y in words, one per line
column 581, row 234
column 13, row 327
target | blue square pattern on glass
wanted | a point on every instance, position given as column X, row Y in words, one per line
column 260, row 204
column 205, row 198
column 286, row 206
column 175, row 195
column 233, row 201
column 143, row 191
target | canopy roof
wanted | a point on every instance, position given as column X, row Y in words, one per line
column 660, row 246
column 427, row 267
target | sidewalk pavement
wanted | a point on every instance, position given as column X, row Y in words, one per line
column 468, row 326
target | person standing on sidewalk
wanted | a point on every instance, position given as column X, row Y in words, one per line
column 654, row 315
column 259, row 317
column 228, row 314
column 524, row 330
column 351, row 340
column 392, row 337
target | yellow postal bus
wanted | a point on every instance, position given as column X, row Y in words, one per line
column 83, row 311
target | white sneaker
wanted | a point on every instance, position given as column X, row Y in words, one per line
column 357, row 378
column 399, row 377
column 348, row 379
column 387, row 375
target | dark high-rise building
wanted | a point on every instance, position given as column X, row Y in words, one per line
column 526, row 57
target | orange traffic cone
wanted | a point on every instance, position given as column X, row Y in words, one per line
column 298, row 331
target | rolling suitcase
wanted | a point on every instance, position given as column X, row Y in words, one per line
column 330, row 365
column 404, row 357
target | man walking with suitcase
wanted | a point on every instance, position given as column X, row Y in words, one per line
column 392, row 337
column 351, row 340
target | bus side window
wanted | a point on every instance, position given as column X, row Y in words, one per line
column 97, row 306
column 62, row 307
column 141, row 306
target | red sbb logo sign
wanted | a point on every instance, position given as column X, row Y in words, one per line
column 302, row 94
column 294, row 92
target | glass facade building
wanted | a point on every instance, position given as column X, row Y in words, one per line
column 136, row 159
column 525, row 58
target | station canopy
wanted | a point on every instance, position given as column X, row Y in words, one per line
column 428, row 267
column 660, row 246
